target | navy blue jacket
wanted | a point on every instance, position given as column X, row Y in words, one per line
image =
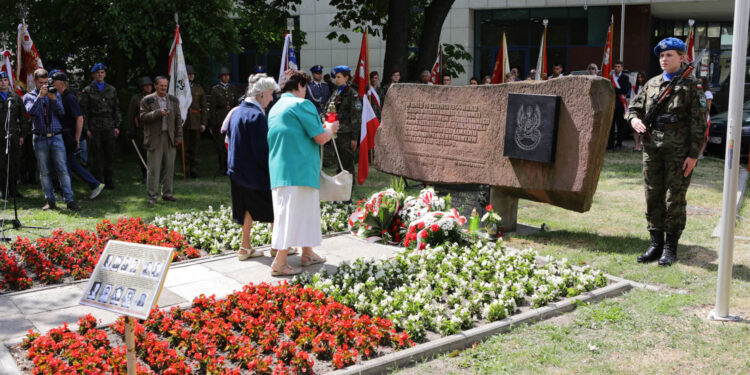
column 247, row 135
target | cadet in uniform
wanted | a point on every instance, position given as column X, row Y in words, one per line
column 223, row 99
column 18, row 129
column 349, row 109
column 195, row 124
column 376, row 100
column 672, row 151
column 318, row 91
column 101, row 119
column 145, row 86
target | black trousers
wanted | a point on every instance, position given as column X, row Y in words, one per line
column 102, row 151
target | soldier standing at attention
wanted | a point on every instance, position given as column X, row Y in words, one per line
column 349, row 109
column 318, row 91
column 223, row 99
column 196, row 123
column 671, row 152
column 145, row 86
column 18, row 129
column 101, row 119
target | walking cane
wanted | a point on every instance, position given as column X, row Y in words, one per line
column 139, row 155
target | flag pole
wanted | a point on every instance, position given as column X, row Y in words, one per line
column 174, row 71
column 622, row 31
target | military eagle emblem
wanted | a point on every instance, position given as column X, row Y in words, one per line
column 528, row 121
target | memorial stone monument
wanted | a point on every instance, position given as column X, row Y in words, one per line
column 461, row 135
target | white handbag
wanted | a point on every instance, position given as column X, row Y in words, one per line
column 338, row 187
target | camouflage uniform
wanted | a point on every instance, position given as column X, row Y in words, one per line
column 349, row 110
column 678, row 134
column 19, row 127
column 101, row 116
column 197, row 116
column 223, row 99
column 135, row 130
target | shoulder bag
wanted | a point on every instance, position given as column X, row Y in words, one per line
column 338, row 187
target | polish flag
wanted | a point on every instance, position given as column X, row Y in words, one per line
column 691, row 43
column 607, row 59
column 437, row 68
column 5, row 66
column 361, row 77
column 501, row 63
column 373, row 94
column 179, row 84
column 27, row 59
column 288, row 57
column 370, row 122
column 541, row 61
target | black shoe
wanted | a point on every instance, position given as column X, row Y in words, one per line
column 193, row 175
column 73, row 206
column 655, row 249
column 49, row 206
column 670, row 250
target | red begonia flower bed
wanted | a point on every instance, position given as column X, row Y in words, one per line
column 263, row 329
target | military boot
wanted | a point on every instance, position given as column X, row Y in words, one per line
column 654, row 250
column 669, row 255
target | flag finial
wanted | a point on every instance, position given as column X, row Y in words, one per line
column 176, row 19
column 691, row 22
column 545, row 22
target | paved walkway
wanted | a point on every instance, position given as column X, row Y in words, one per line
column 42, row 310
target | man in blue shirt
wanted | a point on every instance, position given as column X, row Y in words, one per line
column 45, row 109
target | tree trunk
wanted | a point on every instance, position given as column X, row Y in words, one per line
column 434, row 16
column 397, row 43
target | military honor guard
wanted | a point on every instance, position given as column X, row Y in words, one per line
column 195, row 124
column 101, row 119
column 671, row 147
column 14, row 131
column 223, row 98
column 346, row 103
column 135, row 131
column 318, row 91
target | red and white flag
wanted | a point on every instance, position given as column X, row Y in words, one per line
column 501, row 63
column 179, row 84
column 288, row 57
column 437, row 68
column 370, row 122
column 6, row 66
column 361, row 76
column 607, row 59
column 27, row 59
column 373, row 94
column 691, row 44
column 541, row 61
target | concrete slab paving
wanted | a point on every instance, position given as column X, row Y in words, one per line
column 219, row 286
column 167, row 298
column 8, row 308
column 47, row 320
column 190, row 274
column 50, row 299
column 14, row 326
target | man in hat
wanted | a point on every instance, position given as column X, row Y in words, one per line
column 72, row 127
column 318, row 91
column 223, row 99
column 195, row 124
column 671, row 152
column 45, row 109
column 13, row 135
column 348, row 107
column 101, row 119
column 135, row 131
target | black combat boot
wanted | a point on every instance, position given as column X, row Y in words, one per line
column 669, row 255
column 655, row 249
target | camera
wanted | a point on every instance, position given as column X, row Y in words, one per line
column 51, row 88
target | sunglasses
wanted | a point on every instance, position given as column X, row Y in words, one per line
column 592, row 68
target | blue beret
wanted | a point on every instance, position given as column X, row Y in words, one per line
column 259, row 69
column 340, row 68
column 317, row 69
column 98, row 66
column 3, row 74
column 669, row 43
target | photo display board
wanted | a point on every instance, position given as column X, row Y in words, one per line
column 128, row 278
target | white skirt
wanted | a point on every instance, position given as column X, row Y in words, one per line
column 296, row 211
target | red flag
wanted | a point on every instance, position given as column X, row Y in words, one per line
column 28, row 59
column 501, row 63
column 5, row 66
column 691, row 43
column 361, row 78
column 607, row 60
column 437, row 68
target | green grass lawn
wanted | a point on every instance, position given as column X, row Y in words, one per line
column 641, row 332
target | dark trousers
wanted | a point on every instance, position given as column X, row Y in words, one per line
column 619, row 128
column 81, row 172
column 102, row 149
column 28, row 163
column 191, row 138
column 12, row 175
column 221, row 150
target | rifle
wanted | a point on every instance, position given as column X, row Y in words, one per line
column 653, row 115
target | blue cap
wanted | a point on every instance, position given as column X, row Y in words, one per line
column 340, row 68
column 317, row 69
column 259, row 69
column 98, row 66
column 3, row 74
column 669, row 43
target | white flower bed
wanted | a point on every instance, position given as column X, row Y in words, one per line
column 214, row 231
column 450, row 288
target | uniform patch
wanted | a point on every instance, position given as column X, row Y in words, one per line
column 703, row 101
column 358, row 105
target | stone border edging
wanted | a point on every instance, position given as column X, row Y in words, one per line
column 467, row 338
column 7, row 363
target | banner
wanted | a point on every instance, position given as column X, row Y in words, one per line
column 288, row 58
column 5, row 66
column 436, row 73
column 179, row 85
column 361, row 75
column 607, row 59
column 501, row 63
column 691, row 44
column 370, row 122
column 541, row 61
column 27, row 59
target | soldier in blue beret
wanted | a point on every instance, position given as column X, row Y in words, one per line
column 671, row 153
column 318, row 91
column 17, row 126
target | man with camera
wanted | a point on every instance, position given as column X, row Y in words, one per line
column 13, row 131
column 162, row 133
column 72, row 124
column 44, row 104
column 101, row 119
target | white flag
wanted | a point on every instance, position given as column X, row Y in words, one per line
column 288, row 57
column 179, row 84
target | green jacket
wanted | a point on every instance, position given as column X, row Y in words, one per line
column 223, row 99
column 688, row 102
column 19, row 123
column 101, row 109
column 198, row 112
column 133, row 120
column 349, row 110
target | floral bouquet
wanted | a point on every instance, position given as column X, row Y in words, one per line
column 492, row 223
column 416, row 207
column 376, row 218
column 434, row 228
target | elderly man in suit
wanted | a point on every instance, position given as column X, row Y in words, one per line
column 162, row 133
